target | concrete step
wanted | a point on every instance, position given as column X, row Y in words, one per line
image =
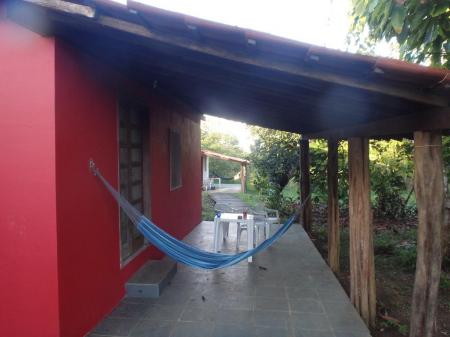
column 151, row 279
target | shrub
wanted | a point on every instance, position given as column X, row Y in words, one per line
column 384, row 243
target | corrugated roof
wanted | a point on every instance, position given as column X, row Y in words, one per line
column 244, row 74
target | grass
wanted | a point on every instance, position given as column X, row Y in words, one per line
column 252, row 198
column 290, row 191
column 207, row 207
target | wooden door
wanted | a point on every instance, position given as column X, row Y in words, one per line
column 132, row 130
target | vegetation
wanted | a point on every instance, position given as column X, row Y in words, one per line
column 275, row 164
column 207, row 207
column 274, row 160
column 421, row 27
column 224, row 144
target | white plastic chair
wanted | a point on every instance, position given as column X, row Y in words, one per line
column 225, row 208
column 263, row 217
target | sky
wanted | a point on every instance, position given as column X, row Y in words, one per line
column 319, row 22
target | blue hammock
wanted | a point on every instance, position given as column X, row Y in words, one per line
column 179, row 250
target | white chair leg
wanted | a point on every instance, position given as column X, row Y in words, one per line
column 267, row 231
column 226, row 229
column 238, row 235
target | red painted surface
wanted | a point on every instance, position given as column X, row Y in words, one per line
column 60, row 266
column 28, row 239
column 175, row 211
column 91, row 280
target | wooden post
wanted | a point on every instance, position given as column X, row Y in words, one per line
column 362, row 268
column 305, row 185
column 243, row 178
column 333, row 206
column 429, row 187
column 446, row 228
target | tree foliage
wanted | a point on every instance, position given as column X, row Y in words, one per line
column 275, row 159
column 224, row 144
column 391, row 169
column 421, row 27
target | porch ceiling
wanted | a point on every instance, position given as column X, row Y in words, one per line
column 246, row 75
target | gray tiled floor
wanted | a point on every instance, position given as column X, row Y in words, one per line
column 287, row 291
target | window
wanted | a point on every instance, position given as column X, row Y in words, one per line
column 175, row 159
column 133, row 171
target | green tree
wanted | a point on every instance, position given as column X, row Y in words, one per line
column 275, row 159
column 224, row 144
column 391, row 169
column 421, row 27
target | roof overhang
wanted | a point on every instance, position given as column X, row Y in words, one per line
column 246, row 75
column 212, row 154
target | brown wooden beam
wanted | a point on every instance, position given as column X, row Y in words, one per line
column 333, row 206
column 66, row 7
column 362, row 268
column 433, row 119
column 243, row 178
column 141, row 31
column 429, row 188
column 305, row 185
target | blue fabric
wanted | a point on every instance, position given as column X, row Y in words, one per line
column 179, row 250
column 195, row 257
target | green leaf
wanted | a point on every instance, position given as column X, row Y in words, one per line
column 440, row 9
column 418, row 18
column 398, row 18
column 431, row 34
column 372, row 5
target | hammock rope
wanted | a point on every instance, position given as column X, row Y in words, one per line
column 179, row 250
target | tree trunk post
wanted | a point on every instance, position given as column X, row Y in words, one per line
column 305, row 185
column 333, row 206
column 362, row 268
column 429, row 187
column 243, row 178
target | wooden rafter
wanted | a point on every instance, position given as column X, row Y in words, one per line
column 208, row 153
column 313, row 73
column 434, row 119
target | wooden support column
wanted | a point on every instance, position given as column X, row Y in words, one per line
column 333, row 206
column 429, row 188
column 362, row 268
column 243, row 178
column 305, row 185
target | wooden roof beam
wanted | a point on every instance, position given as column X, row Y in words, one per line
column 141, row 31
column 212, row 154
column 431, row 120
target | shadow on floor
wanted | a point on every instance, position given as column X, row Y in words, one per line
column 288, row 291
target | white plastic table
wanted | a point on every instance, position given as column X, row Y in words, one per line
column 233, row 218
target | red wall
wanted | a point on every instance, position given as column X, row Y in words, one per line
column 28, row 264
column 90, row 278
column 175, row 211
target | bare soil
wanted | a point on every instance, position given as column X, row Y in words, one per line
column 394, row 284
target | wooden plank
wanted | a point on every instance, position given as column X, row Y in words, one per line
column 141, row 31
column 243, row 178
column 305, row 185
column 429, row 188
column 446, row 227
column 333, row 206
column 433, row 119
column 66, row 7
column 209, row 153
column 362, row 269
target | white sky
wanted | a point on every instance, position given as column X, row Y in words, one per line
column 319, row 22
column 237, row 129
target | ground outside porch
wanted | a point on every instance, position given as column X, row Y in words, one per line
column 288, row 291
